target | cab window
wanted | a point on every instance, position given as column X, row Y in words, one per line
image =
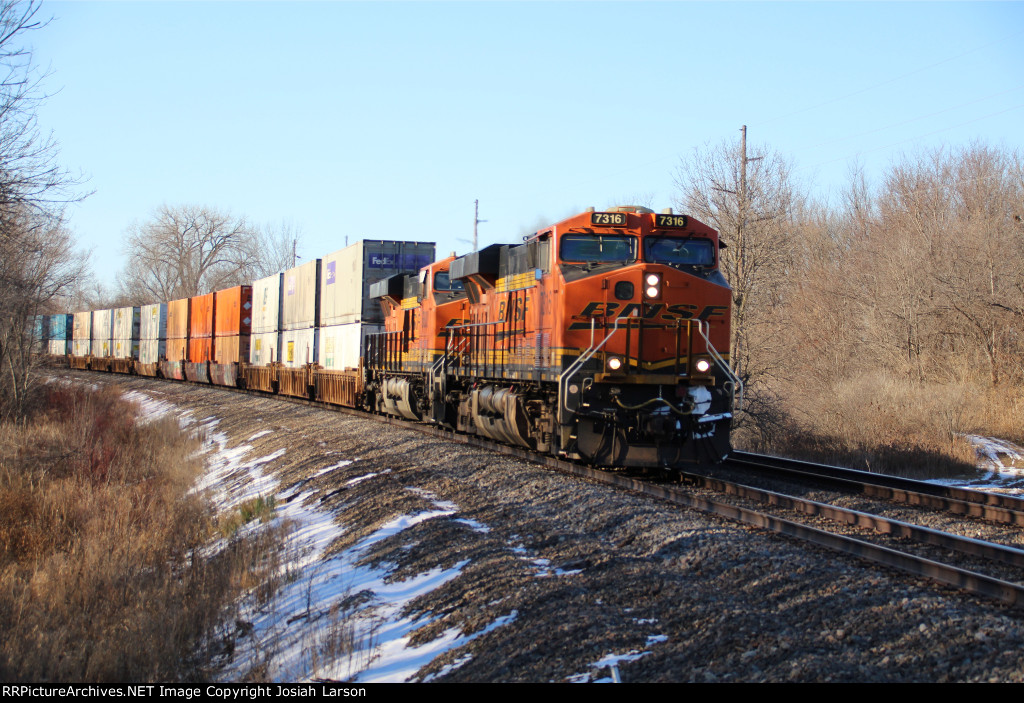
column 589, row 248
column 443, row 282
column 679, row 250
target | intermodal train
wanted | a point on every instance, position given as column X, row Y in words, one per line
column 602, row 338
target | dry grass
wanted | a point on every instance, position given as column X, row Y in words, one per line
column 102, row 575
column 889, row 425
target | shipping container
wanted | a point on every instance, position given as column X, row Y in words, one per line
column 61, row 327
column 102, row 332
column 300, row 298
column 200, row 349
column 177, row 349
column 177, row 320
column 153, row 322
column 266, row 304
column 341, row 346
column 230, row 350
column 40, row 328
column 263, row 348
column 299, row 347
column 234, row 312
column 126, row 333
column 126, row 323
column 81, row 340
column 201, row 317
column 57, row 347
column 152, row 350
column 346, row 277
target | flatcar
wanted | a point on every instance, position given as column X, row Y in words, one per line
column 602, row 338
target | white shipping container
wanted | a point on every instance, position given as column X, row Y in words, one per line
column 57, row 347
column 266, row 304
column 101, row 325
column 82, row 329
column 125, row 349
column 341, row 345
column 153, row 322
column 263, row 349
column 126, row 324
column 346, row 277
column 102, row 332
column 299, row 347
column 152, row 350
column 300, row 299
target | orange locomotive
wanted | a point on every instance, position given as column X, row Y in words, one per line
column 596, row 338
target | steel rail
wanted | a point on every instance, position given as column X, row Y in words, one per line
column 995, row 507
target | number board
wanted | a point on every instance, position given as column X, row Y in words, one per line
column 608, row 219
column 670, row 221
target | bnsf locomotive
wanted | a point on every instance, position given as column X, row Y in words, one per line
column 602, row 338
column 596, row 338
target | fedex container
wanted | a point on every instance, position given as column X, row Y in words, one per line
column 126, row 333
column 299, row 347
column 201, row 317
column 346, row 277
column 266, row 304
column 300, row 297
column 177, row 319
column 233, row 314
column 81, row 340
column 263, row 348
column 102, row 332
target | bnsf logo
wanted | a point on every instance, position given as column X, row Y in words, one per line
column 649, row 311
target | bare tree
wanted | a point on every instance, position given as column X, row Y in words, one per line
column 37, row 265
column 275, row 249
column 750, row 201
column 188, row 250
column 37, row 261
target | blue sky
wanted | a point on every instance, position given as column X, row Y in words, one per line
column 386, row 120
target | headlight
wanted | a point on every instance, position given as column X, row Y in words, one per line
column 703, row 365
column 652, row 285
column 614, row 363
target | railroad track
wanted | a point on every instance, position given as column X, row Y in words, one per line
column 975, row 566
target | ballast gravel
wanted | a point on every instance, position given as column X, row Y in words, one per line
column 597, row 577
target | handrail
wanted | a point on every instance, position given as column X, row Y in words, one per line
column 721, row 363
column 563, row 378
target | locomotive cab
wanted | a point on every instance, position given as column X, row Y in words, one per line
column 646, row 312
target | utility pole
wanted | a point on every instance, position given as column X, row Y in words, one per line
column 743, row 177
column 476, row 221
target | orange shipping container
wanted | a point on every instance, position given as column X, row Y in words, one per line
column 200, row 349
column 201, row 318
column 176, row 349
column 228, row 350
column 177, row 320
column 234, row 311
